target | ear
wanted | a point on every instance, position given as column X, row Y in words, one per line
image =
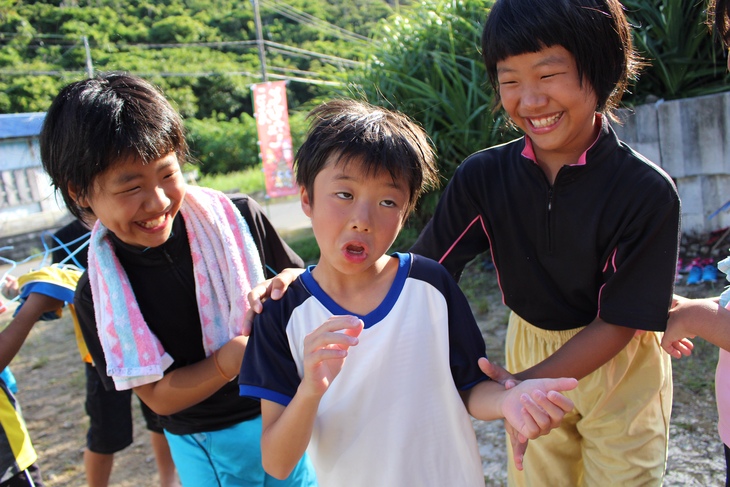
column 81, row 201
column 306, row 201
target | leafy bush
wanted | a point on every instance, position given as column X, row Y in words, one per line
column 223, row 146
column 685, row 59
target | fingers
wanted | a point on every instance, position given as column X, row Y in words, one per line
column 518, row 443
column 495, row 372
column 678, row 348
column 280, row 283
column 325, row 351
column 248, row 322
column 273, row 288
column 686, row 346
column 257, row 295
column 9, row 287
column 543, row 406
column 334, row 337
column 536, row 420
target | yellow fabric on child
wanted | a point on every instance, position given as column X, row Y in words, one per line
column 619, row 430
column 17, row 454
column 57, row 281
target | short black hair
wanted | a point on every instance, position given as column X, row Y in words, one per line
column 595, row 32
column 95, row 123
column 377, row 139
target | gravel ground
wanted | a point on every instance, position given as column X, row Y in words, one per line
column 51, row 380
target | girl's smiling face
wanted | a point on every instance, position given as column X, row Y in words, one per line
column 543, row 95
column 136, row 201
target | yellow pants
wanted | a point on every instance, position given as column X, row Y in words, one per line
column 619, row 430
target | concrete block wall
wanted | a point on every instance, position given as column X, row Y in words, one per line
column 690, row 140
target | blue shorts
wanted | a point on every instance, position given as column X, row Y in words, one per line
column 230, row 458
column 110, row 416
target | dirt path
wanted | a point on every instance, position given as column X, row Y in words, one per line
column 51, row 381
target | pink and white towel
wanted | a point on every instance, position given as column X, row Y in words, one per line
column 226, row 265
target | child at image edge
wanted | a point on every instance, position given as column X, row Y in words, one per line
column 369, row 359
column 708, row 318
column 161, row 303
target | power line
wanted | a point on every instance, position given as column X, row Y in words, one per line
column 274, row 46
column 193, row 74
column 307, row 19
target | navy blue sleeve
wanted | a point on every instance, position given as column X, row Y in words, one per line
column 466, row 343
column 268, row 370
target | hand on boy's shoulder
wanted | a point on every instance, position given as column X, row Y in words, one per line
column 273, row 288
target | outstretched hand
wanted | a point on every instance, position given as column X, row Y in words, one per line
column 273, row 288
column 518, row 442
column 532, row 408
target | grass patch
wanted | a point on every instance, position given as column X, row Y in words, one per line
column 697, row 372
column 249, row 181
column 302, row 242
column 476, row 283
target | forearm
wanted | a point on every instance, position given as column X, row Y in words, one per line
column 704, row 318
column 286, row 433
column 484, row 400
column 189, row 385
column 588, row 350
column 13, row 336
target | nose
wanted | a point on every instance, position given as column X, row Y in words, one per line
column 532, row 97
column 361, row 217
column 157, row 200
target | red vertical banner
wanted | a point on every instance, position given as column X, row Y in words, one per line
column 272, row 123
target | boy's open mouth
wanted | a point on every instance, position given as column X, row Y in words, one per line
column 355, row 249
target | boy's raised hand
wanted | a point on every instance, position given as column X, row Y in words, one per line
column 325, row 351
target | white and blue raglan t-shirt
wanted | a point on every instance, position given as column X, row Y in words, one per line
column 393, row 416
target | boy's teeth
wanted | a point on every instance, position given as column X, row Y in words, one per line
column 544, row 122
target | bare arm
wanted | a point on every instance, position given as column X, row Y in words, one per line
column 696, row 317
column 13, row 336
column 189, row 385
column 589, row 349
column 287, row 430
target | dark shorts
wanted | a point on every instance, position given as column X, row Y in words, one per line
column 110, row 416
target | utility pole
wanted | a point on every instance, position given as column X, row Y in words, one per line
column 89, row 66
column 260, row 39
